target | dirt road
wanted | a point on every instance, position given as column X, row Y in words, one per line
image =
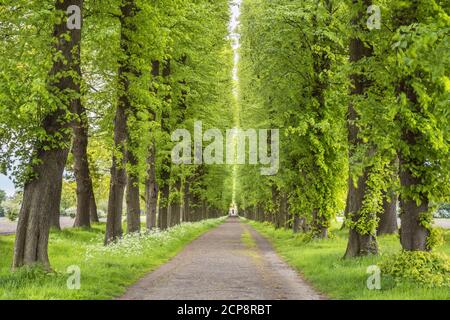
column 231, row 262
column 9, row 227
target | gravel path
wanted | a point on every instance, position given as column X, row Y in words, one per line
column 9, row 227
column 443, row 223
column 222, row 265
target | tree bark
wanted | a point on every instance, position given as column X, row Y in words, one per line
column 205, row 210
column 358, row 244
column 55, row 218
column 118, row 172
column 283, row 210
column 259, row 213
column 349, row 181
column 186, row 202
column 42, row 194
column 93, row 213
column 81, row 167
column 151, row 185
column 151, row 189
column 296, row 224
column 319, row 227
column 164, row 206
column 275, row 210
column 164, row 216
column 388, row 219
column 176, row 206
column 132, row 197
column 321, row 66
column 413, row 235
column 175, row 212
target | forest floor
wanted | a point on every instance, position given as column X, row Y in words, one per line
column 230, row 262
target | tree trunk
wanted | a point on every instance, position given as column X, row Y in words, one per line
column 118, row 173
column 388, row 219
column 81, row 167
column 164, row 207
column 204, row 213
column 283, row 212
column 117, row 186
column 93, row 213
column 259, row 213
column 413, row 235
column 42, row 194
column 175, row 205
column 151, row 189
column 319, row 227
column 175, row 213
column 133, row 206
column 304, row 225
column 296, row 224
column 349, row 196
column 151, row 185
column 186, row 202
column 358, row 244
column 132, row 198
column 320, row 84
column 55, row 218
column 164, row 217
column 182, row 207
column 275, row 210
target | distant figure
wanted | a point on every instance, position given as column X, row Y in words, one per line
column 233, row 211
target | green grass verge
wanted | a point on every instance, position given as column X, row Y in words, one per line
column 321, row 264
column 106, row 272
column 248, row 240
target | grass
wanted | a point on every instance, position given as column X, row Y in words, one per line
column 248, row 240
column 106, row 272
column 321, row 264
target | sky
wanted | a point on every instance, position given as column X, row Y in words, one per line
column 6, row 185
column 234, row 24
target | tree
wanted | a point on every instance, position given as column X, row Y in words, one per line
column 362, row 238
column 388, row 219
column 419, row 83
column 285, row 43
column 42, row 191
column 85, row 192
column 2, row 198
column 128, row 10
